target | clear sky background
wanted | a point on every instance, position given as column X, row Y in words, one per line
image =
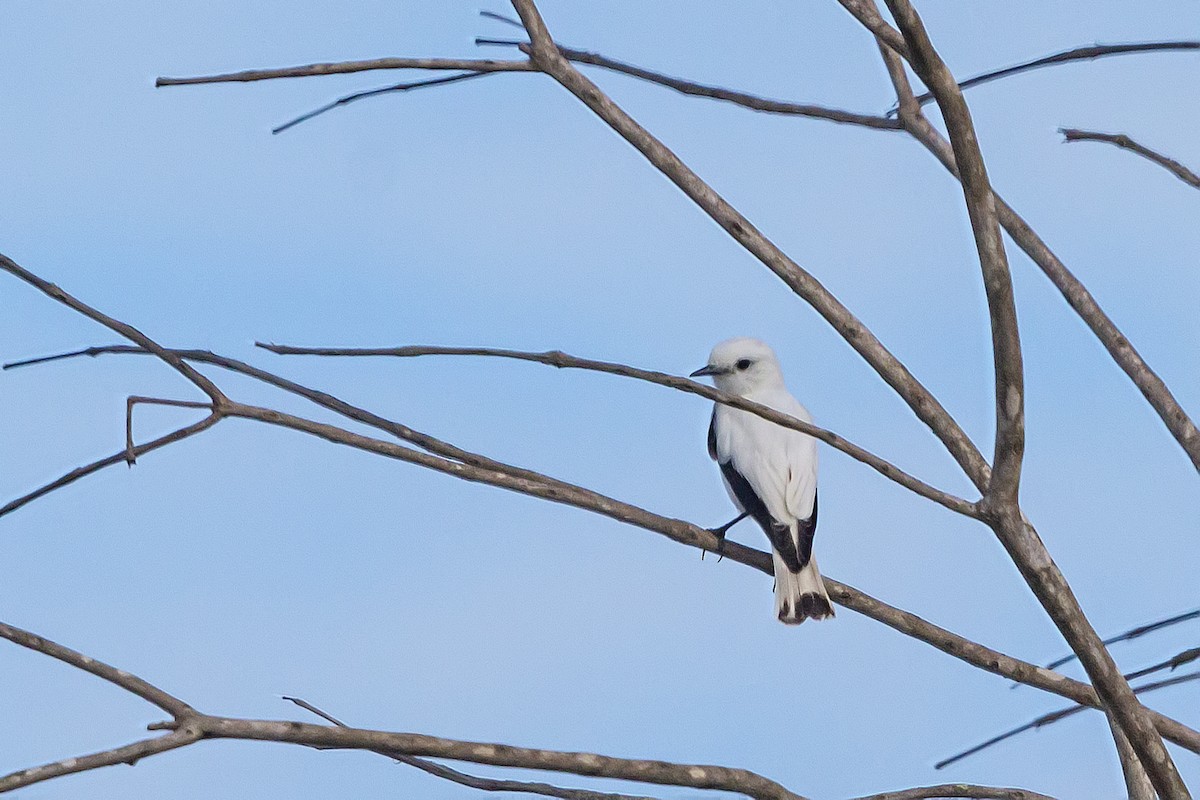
column 250, row 563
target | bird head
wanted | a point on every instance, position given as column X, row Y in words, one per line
column 742, row 366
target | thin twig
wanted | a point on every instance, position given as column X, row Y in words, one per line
column 1135, row 633
column 133, row 400
column 1174, row 662
column 399, row 87
column 501, row 18
column 120, row 457
column 1055, row 716
column 346, row 67
column 1085, row 53
column 1124, row 142
column 557, row 358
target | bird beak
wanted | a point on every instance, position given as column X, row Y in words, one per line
column 706, row 370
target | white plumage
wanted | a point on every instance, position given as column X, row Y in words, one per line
column 769, row 471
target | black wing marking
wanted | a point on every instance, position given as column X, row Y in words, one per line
column 806, row 529
column 779, row 534
column 712, row 436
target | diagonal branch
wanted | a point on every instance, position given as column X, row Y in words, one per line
column 1124, row 142
column 561, row 360
column 346, row 67
column 686, row 533
column 545, row 55
column 128, row 331
column 120, row 457
column 1174, row 662
column 867, row 13
column 118, row 677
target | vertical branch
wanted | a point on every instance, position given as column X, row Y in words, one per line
column 997, row 280
column 1081, row 301
column 1128, row 717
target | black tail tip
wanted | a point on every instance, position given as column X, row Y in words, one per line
column 808, row 606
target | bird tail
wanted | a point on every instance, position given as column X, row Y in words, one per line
column 800, row 595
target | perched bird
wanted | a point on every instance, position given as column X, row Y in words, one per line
column 770, row 471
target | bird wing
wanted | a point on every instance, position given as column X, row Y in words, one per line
column 757, row 482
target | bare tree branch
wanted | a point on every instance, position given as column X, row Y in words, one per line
column 908, row 624
column 120, row 457
column 189, row 726
column 1134, row 633
column 399, row 87
column 1073, row 291
column 696, row 776
column 118, row 677
column 1174, row 662
column 997, row 279
column 959, row 790
column 1137, row 781
column 1085, row 53
column 129, row 754
column 1055, row 716
column 1121, row 140
column 867, row 13
column 545, row 55
column 557, row 358
column 1010, row 525
column 474, row 781
column 133, row 400
column 128, row 331
column 345, row 67
column 694, row 89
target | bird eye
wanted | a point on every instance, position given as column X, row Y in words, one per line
column 744, row 363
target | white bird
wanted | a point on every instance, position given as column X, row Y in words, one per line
column 770, row 471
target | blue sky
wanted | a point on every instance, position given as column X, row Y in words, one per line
column 250, row 563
